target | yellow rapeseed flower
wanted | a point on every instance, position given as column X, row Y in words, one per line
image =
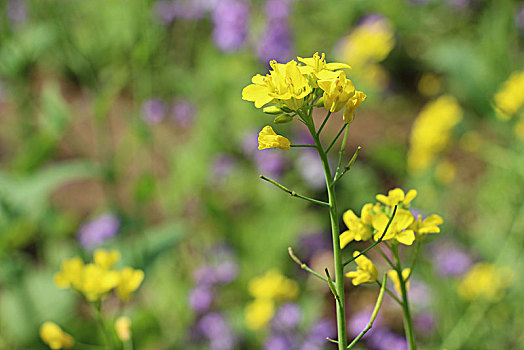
column 399, row 228
column 106, row 259
column 397, row 197
column 273, row 285
column 55, row 337
column 359, row 229
column 485, row 281
column 268, row 138
column 510, row 98
column 366, row 270
column 319, row 68
column 123, row 328
column 259, row 312
column 70, row 275
column 129, row 281
column 97, row 282
column 337, row 92
column 353, row 103
column 393, row 275
column 428, row 225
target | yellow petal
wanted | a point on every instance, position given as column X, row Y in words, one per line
column 406, row 237
column 345, row 238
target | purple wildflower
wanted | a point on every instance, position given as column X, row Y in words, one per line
column 200, row 298
column 183, row 113
column 286, row 318
column 419, row 294
column 360, row 320
column 154, row 111
column 165, row 11
column 311, row 243
column 450, row 260
column 205, row 276
column 425, row 322
column 230, row 18
column 276, row 42
column 17, row 11
column 98, row 230
column 280, row 342
column 215, row 328
column 318, row 334
column 222, row 165
column 226, row 272
column 270, row 162
column 384, row 339
column 519, row 18
column 310, row 167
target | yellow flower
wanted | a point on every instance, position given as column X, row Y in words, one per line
column 431, row 132
column 284, row 83
column 510, row 98
column 399, row 228
column 55, row 337
column 273, row 285
column 393, row 275
column 319, row 68
column 123, row 328
column 445, row 172
column 366, row 270
column 486, row 281
column 359, row 229
column 428, row 225
column 337, row 91
column 259, row 312
column 129, row 281
column 70, row 274
column 98, row 282
column 106, row 259
column 353, row 103
column 397, row 197
column 267, row 138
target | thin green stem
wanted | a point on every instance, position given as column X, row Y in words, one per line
column 303, row 146
column 324, row 122
column 378, row 241
column 408, row 326
column 335, row 139
column 373, row 315
column 99, row 318
column 414, row 259
column 347, row 167
column 293, row 193
column 340, row 155
column 391, row 294
column 387, row 259
column 332, row 285
column 304, row 266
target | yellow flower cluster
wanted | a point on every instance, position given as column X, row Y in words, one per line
column 485, row 281
column 366, row 270
column 267, row 290
column 509, row 100
column 55, row 337
column 432, row 131
column 375, row 217
column 96, row 280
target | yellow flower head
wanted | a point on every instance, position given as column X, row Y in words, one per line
column 259, row 312
column 123, row 328
column 399, row 228
column 55, row 337
column 319, row 68
column 97, row 282
column 106, row 259
column 273, row 285
column 510, row 98
column 397, row 197
column 393, row 275
column 267, row 138
column 337, row 91
column 366, row 270
column 428, row 225
column 359, row 229
column 129, row 281
column 486, row 281
column 70, row 274
column 284, row 83
column 353, row 103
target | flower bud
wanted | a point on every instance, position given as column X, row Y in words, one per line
column 283, row 119
column 320, row 102
column 272, row 110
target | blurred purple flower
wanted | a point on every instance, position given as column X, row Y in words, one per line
column 458, row 3
column 277, row 9
column 17, row 11
column 200, row 298
column 519, row 18
column 230, row 18
column 270, row 162
column 276, row 42
column 384, row 339
column 250, row 143
column 450, row 260
column 226, row 272
column 318, row 334
column 311, row 243
column 183, row 113
column 360, row 320
column 310, row 167
column 214, row 327
column 98, row 230
column 154, row 111
column 419, row 294
column 280, row 342
column 222, row 165
column 165, row 11
column 425, row 322
column 205, row 276
column 286, row 318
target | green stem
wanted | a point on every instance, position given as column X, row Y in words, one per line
column 304, row 266
column 302, row 146
column 391, row 294
column 293, row 193
column 335, row 139
column 324, row 123
column 340, row 155
column 347, row 167
column 408, row 325
column 99, row 318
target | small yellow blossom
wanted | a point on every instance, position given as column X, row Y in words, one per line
column 129, row 281
column 259, row 312
column 510, row 98
column 70, row 274
column 393, row 275
column 123, row 328
column 428, row 225
column 273, row 285
column 485, row 281
column 366, row 270
column 353, row 103
column 337, row 91
column 267, row 138
column 397, row 197
column 319, row 68
column 97, row 282
column 399, row 228
column 55, row 337
column 445, row 172
column 359, row 229
column 106, row 259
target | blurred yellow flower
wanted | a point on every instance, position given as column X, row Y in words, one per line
column 399, row 228
column 123, row 328
column 428, row 225
column 106, row 259
column 431, row 132
column 70, row 274
column 366, row 270
column 445, row 172
column 485, row 281
column 129, row 281
column 359, row 229
column 267, row 138
column 55, row 337
column 429, row 84
column 97, row 281
column 396, row 196
column 393, row 275
column 273, row 285
column 259, row 312
column 510, row 98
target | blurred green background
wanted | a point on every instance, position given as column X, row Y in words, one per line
column 122, row 126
